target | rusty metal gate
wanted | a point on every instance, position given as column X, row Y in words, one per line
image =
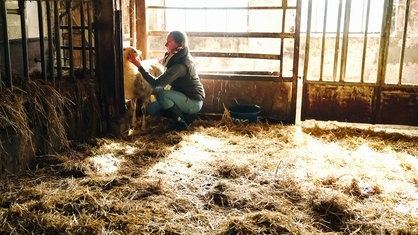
column 357, row 70
column 53, row 37
column 62, row 40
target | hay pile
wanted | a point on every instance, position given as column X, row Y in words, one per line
column 222, row 178
column 39, row 117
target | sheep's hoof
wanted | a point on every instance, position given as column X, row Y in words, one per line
column 134, row 132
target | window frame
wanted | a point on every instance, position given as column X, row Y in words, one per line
column 242, row 75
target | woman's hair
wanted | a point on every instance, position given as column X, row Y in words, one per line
column 180, row 38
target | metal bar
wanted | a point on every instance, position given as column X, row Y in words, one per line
column 120, row 93
column 296, row 45
column 384, row 42
column 74, row 27
column 220, row 8
column 41, row 39
column 337, row 41
column 366, row 31
column 357, row 84
column 57, row 39
column 308, row 41
column 228, row 34
column 342, row 84
column 13, row 11
column 284, row 3
column 83, row 39
column 70, row 36
column 383, row 57
column 404, row 34
column 344, row 49
column 23, row 29
column 244, row 77
column 240, row 72
column 236, row 55
column 306, row 61
column 90, row 36
column 6, row 44
column 324, row 29
column 50, row 44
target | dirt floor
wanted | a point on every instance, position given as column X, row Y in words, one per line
column 220, row 177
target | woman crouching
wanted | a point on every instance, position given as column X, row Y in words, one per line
column 187, row 93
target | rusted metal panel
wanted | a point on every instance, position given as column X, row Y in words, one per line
column 273, row 97
column 398, row 106
column 339, row 103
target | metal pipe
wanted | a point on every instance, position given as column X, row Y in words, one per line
column 366, row 31
column 57, row 39
column 6, row 44
column 324, row 29
column 405, row 31
column 383, row 57
column 50, row 44
column 70, row 37
column 41, row 39
column 83, row 39
column 282, row 39
column 23, row 28
column 90, row 36
column 306, row 61
column 384, row 42
column 308, row 41
column 344, row 49
column 337, row 41
column 293, row 110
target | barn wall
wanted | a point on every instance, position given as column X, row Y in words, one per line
column 274, row 98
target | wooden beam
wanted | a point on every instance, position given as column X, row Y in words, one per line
column 141, row 28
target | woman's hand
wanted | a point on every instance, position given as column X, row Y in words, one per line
column 135, row 61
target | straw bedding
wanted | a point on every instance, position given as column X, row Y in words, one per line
column 219, row 177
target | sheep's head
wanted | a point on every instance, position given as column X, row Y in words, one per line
column 129, row 52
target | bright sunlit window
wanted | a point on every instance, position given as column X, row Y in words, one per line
column 207, row 15
column 245, row 38
column 358, row 16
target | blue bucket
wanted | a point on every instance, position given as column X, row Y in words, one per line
column 245, row 113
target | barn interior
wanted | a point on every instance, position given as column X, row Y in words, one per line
column 333, row 149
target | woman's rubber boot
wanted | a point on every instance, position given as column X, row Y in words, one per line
column 177, row 115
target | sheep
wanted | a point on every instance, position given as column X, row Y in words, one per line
column 135, row 87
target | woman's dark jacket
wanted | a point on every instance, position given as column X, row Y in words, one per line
column 180, row 75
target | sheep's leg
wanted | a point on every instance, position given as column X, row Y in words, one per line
column 133, row 105
column 144, row 112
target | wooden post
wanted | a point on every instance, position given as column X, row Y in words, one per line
column 132, row 39
column 141, row 28
column 109, row 66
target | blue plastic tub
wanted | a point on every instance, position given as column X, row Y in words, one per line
column 245, row 113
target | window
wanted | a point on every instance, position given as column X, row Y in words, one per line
column 359, row 15
column 229, row 37
column 207, row 15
